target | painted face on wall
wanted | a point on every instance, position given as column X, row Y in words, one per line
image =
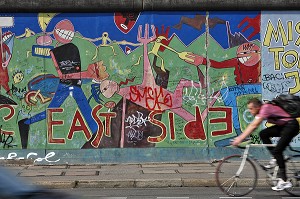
column 64, row 31
column 248, row 54
column 7, row 36
column 18, row 77
column 108, row 88
column 7, row 39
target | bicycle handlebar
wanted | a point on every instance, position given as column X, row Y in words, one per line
column 265, row 145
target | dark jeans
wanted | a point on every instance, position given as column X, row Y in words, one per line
column 286, row 133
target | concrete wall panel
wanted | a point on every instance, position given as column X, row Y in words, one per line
column 120, row 81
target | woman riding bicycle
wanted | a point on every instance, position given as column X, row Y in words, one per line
column 284, row 127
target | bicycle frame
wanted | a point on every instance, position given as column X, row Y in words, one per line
column 246, row 155
column 241, row 162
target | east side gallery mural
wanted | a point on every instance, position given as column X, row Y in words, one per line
column 138, row 80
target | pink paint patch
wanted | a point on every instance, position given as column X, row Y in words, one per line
column 44, row 40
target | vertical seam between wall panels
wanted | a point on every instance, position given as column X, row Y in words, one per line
column 207, row 79
column 46, row 120
column 132, row 5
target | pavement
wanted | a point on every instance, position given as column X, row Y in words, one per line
column 143, row 175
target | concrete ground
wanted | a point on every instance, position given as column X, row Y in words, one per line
column 118, row 175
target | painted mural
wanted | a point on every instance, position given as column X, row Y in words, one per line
column 280, row 47
column 138, row 80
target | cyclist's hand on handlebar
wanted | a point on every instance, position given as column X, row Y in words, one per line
column 236, row 141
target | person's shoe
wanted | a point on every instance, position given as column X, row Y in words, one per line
column 271, row 164
column 281, row 185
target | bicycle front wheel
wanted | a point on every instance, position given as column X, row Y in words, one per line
column 232, row 182
column 293, row 174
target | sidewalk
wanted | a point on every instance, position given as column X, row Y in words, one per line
column 148, row 175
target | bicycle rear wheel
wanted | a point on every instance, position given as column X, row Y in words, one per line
column 293, row 174
column 228, row 181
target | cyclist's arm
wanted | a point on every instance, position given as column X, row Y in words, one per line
column 250, row 128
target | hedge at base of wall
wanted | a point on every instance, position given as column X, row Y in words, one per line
column 127, row 155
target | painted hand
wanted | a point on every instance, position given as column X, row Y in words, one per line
column 192, row 58
column 98, row 71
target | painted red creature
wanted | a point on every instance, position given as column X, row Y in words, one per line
column 246, row 63
column 5, row 57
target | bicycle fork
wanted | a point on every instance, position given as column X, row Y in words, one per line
column 240, row 169
column 245, row 156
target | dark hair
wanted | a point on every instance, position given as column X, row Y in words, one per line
column 255, row 101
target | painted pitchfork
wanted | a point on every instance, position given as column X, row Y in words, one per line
column 146, row 39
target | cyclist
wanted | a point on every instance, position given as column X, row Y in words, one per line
column 284, row 127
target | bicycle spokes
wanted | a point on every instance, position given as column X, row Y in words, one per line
column 234, row 178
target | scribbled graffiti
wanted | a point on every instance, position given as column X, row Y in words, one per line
column 282, row 87
column 255, row 139
column 135, row 136
column 32, row 155
column 6, row 139
column 153, row 98
column 198, row 97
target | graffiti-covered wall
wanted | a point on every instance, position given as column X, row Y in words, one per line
column 140, row 80
column 280, row 49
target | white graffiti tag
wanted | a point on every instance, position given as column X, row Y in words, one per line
column 135, row 136
column 31, row 155
column 197, row 97
column 136, row 121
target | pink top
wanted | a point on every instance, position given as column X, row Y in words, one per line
column 270, row 112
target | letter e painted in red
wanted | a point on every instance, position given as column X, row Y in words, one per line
column 227, row 119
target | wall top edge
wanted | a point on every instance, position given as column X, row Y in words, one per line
column 79, row 10
column 144, row 5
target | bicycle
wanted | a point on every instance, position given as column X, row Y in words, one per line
column 236, row 175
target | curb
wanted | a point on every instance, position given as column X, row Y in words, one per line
column 18, row 162
column 130, row 183
column 139, row 183
column 136, row 183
